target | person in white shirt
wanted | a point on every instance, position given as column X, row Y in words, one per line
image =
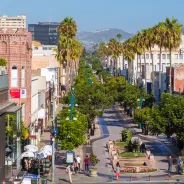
column 78, row 160
column 69, row 171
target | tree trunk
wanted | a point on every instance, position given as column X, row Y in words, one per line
column 137, row 70
column 153, row 75
column 140, row 70
column 160, row 73
column 145, row 70
column 170, row 72
column 60, row 78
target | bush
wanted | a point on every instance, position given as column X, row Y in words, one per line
column 93, row 158
column 126, row 135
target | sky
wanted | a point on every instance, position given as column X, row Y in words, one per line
column 128, row 15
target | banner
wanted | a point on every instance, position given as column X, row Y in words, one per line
column 15, row 93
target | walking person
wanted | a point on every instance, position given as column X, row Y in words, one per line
column 76, row 166
column 117, row 171
column 69, row 171
column 179, row 165
column 78, row 160
column 170, row 162
column 86, row 161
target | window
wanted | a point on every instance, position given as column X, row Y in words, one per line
column 44, row 48
column 14, row 77
column 175, row 56
column 168, row 56
column 23, row 77
column 36, row 48
column 181, row 56
column 158, row 56
column 147, row 56
column 163, row 56
column 142, row 56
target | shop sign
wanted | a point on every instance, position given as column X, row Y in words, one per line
column 15, row 93
column 23, row 93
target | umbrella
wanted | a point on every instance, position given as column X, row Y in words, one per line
column 47, row 147
column 41, row 155
column 31, row 148
column 27, row 154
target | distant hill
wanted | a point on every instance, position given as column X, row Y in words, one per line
column 88, row 39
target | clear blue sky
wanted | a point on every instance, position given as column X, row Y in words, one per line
column 129, row 15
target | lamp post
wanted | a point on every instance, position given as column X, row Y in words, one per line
column 53, row 158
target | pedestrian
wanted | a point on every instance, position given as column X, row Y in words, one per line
column 170, row 161
column 78, row 160
column 117, row 171
column 86, row 161
column 69, row 171
column 76, row 166
column 50, row 138
column 179, row 165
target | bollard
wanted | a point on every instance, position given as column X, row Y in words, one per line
column 149, row 177
column 130, row 178
column 169, row 177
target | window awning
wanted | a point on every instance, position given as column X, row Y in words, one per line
column 13, row 109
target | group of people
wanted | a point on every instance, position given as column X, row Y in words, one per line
column 179, row 164
column 31, row 165
column 76, row 166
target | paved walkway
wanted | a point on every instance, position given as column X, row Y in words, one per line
column 110, row 127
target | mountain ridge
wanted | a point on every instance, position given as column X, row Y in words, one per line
column 90, row 38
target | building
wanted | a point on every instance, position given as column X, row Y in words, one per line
column 44, row 57
column 15, row 47
column 38, row 107
column 177, row 78
column 45, row 32
column 12, row 22
column 10, row 150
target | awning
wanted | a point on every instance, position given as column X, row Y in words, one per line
column 13, row 109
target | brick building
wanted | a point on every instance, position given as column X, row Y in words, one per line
column 177, row 76
column 16, row 46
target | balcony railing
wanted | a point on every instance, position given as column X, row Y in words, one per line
column 4, row 81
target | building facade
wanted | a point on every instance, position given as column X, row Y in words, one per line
column 10, row 149
column 15, row 47
column 45, row 32
column 12, row 22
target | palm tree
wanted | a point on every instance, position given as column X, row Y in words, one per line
column 115, row 50
column 67, row 30
column 129, row 54
column 173, row 40
column 150, row 44
column 102, row 51
column 144, row 41
column 160, row 32
column 119, row 36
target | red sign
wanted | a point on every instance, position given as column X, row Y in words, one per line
column 32, row 137
column 15, row 93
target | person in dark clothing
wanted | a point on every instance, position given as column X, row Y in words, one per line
column 86, row 161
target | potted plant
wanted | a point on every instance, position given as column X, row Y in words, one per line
column 94, row 160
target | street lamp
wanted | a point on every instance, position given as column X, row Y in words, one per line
column 53, row 157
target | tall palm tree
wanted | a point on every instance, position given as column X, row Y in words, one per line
column 173, row 40
column 160, row 32
column 102, row 51
column 115, row 50
column 150, row 44
column 119, row 36
column 129, row 54
column 67, row 30
column 144, row 41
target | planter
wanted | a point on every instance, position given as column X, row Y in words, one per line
column 93, row 172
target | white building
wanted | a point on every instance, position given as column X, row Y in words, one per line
column 38, row 109
column 13, row 22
